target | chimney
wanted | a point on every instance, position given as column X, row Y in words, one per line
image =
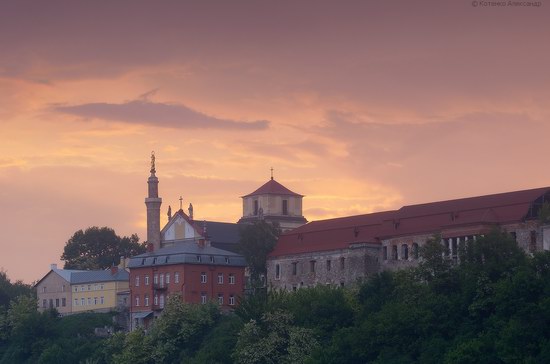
column 53, row 266
column 122, row 264
column 114, row 270
column 150, row 247
column 201, row 243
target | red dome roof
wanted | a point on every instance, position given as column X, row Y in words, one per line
column 273, row 187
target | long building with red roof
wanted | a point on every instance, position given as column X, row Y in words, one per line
column 343, row 250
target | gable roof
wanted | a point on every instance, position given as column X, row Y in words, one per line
column 219, row 232
column 273, row 187
column 174, row 218
column 433, row 217
column 74, row 276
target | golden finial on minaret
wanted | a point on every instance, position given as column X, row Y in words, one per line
column 153, row 162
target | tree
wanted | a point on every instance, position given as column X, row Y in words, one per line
column 99, row 248
column 257, row 241
column 274, row 339
column 9, row 291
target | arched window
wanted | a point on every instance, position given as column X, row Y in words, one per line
column 404, row 252
column 415, row 251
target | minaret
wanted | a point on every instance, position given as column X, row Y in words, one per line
column 153, row 202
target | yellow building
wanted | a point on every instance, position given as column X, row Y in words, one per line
column 74, row 291
column 97, row 290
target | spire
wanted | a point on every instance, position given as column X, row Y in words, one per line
column 169, row 212
column 271, row 172
column 153, row 202
column 153, row 170
column 181, row 202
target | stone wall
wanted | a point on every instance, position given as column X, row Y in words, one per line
column 337, row 268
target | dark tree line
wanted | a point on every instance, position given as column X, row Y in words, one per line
column 491, row 307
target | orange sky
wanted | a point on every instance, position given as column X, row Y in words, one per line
column 360, row 105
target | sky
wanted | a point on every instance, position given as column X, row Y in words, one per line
column 361, row 106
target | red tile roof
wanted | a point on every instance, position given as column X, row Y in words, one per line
column 273, row 187
column 436, row 217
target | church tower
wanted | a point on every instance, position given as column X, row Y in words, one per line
column 153, row 202
column 273, row 203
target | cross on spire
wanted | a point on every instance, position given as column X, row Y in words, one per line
column 271, row 172
column 181, row 201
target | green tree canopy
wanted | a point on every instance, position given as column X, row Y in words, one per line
column 99, row 248
column 257, row 241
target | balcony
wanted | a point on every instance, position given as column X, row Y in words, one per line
column 160, row 287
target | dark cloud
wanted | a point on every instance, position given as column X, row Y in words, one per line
column 158, row 114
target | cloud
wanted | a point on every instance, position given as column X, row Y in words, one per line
column 176, row 116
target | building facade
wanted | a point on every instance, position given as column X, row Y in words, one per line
column 193, row 270
column 74, row 291
column 345, row 250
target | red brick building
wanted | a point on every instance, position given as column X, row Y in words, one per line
column 193, row 270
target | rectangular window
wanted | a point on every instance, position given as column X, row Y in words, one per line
column 45, row 303
column 137, row 300
column 156, row 300
column 162, row 280
column 57, row 302
column 277, row 271
column 76, row 289
column 89, row 287
column 101, row 286
column 394, row 252
column 231, row 278
column 533, row 242
column 329, row 265
column 82, row 301
column 44, row 289
column 75, row 302
column 96, row 287
column 156, row 279
column 81, row 288
column 220, row 278
column 102, row 300
column 385, row 252
column 176, row 277
column 137, row 281
column 167, row 278
column 312, row 266
column 203, row 277
column 285, row 207
column 294, row 268
column 95, row 300
column 146, row 300
column 161, row 301
column 231, row 300
column 51, row 303
column 220, row 298
column 89, row 301
column 147, row 280
column 203, row 297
